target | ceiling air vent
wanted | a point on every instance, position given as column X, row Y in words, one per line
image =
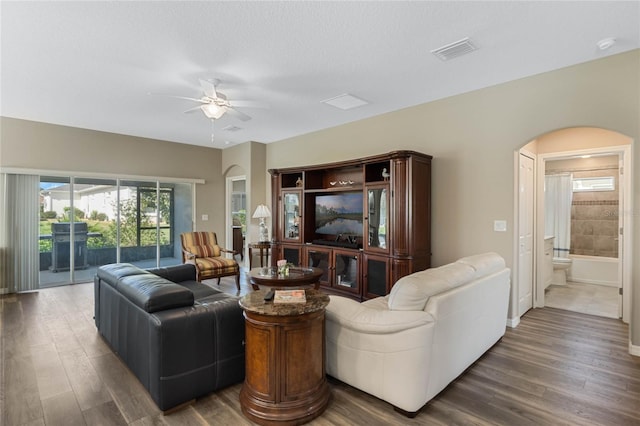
column 345, row 101
column 232, row 128
column 453, row 50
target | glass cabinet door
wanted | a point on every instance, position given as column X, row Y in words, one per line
column 376, row 276
column 291, row 216
column 346, row 271
column 377, row 217
column 320, row 258
column 292, row 255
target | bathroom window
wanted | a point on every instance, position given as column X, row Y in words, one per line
column 593, row 184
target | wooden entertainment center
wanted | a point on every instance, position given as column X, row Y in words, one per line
column 365, row 222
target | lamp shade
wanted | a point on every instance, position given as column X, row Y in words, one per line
column 262, row 211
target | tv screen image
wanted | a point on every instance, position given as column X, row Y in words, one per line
column 339, row 214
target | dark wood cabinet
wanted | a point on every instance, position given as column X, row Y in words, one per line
column 285, row 380
column 369, row 216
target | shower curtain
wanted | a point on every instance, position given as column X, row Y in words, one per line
column 558, row 194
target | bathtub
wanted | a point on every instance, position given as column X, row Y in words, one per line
column 594, row 270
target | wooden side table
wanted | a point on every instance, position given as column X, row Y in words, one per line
column 285, row 382
column 297, row 276
column 264, row 248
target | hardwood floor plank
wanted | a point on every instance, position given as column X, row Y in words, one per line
column 127, row 392
column 530, row 406
column 599, row 414
column 22, row 399
column 62, row 410
column 555, row 368
column 104, row 414
column 221, row 407
column 441, row 412
column 89, row 388
column 52, row 379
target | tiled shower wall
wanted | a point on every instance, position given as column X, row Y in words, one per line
column 594, row 215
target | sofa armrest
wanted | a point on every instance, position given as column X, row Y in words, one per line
column 176, row 273
column 355, row 316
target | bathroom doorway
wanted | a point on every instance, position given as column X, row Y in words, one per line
column 572, row 143
column 582, row 202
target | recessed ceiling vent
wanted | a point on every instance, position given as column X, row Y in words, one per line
column 345, row 101
column 232, row 128
column 453, row 50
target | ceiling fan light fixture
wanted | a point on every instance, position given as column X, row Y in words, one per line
column 213, row 110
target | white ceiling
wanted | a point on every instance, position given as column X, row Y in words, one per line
column 93, row 64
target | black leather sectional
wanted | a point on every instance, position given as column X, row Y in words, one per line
column 181, row 338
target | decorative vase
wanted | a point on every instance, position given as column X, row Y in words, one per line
column 284, row 270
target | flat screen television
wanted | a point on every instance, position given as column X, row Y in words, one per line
column 339, row 214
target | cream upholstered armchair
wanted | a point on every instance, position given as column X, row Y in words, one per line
column 202, row 250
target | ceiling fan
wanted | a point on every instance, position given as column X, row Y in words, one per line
column 215, row 104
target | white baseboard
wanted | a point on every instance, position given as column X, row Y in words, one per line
column 513, row 322
column 4, row 290
column 634, row 349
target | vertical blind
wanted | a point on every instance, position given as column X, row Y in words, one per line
column 19, row 210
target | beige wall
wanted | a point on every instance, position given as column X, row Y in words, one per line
column 250, row 159
column 472, row 138
column 578, row 138
column 33, row 145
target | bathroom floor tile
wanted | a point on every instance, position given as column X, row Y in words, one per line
column 585, row 298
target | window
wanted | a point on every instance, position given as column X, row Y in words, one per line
column 593, row 184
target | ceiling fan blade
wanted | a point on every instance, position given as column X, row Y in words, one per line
column 209, row 88
column 239, row 115
column 180, row 97
column 194, row 109
column 249, row 104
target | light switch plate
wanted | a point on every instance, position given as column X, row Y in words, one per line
column 205, row 217
column 500, row 225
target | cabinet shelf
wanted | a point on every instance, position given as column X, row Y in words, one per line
column 334, row 189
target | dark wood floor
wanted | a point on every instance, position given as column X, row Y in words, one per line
column 557, row 367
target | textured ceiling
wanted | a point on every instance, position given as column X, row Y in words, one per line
column 93, row 64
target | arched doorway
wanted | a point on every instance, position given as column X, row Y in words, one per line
column 568, row 145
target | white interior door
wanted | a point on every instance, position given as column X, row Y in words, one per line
column 525, row 233
column 621, row 256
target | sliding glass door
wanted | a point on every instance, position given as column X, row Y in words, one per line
column 86, row 223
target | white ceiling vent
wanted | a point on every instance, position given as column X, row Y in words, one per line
column 232, row 128
column 345, row 101
column 453, row 50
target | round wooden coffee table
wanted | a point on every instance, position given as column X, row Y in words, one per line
column 285, row 382
column 298, row 276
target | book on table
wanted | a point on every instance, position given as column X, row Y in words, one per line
column 289, row 296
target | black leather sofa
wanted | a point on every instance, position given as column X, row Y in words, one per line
column 181, row 338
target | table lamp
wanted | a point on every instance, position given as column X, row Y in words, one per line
column 261, row 213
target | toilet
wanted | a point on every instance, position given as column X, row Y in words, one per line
column 560, row 267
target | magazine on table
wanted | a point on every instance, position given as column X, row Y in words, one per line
column 290, row 296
